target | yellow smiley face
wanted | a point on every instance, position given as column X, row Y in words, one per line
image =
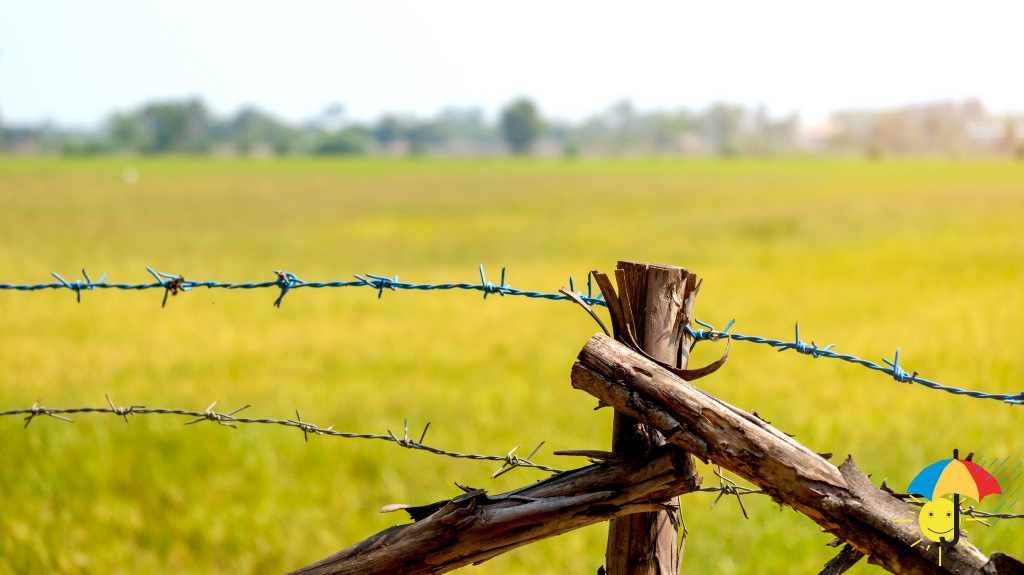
column 936, row 519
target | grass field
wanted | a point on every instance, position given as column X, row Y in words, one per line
column 926, row 256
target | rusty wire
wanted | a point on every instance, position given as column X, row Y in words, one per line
column 508, row 462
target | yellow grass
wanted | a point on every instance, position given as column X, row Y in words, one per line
column 923, row 256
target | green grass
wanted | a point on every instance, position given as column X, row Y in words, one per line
column 923, row 256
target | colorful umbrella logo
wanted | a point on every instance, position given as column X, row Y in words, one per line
column 958, row 477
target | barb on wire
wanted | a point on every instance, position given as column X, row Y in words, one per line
column 380, row 283
column 512, row 461
column 897, row 372
column 37, row 410
column 727, row 486
column 489, row 287
column 229, row 419
column 405, row 441
column 171, row 284
column 799, row 346
column 122, row 411
column 78, row 285
column 285, row 282
column 308, row 428
column 220, row 418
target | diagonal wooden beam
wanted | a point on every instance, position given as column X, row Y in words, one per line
column 841, row 500
column 475, row 527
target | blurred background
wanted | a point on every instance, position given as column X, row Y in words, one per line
column 854, row 168
column 456, row 79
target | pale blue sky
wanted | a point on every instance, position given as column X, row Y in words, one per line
column 74, row 61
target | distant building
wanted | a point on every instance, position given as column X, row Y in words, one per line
column 21, row 141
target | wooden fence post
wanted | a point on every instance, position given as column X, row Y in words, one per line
column 659, row 299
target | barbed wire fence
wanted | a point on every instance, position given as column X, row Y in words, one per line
column 286, row 282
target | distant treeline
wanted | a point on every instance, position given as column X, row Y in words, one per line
column 189, row 127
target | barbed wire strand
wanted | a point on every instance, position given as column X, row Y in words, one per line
column 229, row 419
column 727, row 486
column 509, row 461
column 812, row 349
column 286, row 282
